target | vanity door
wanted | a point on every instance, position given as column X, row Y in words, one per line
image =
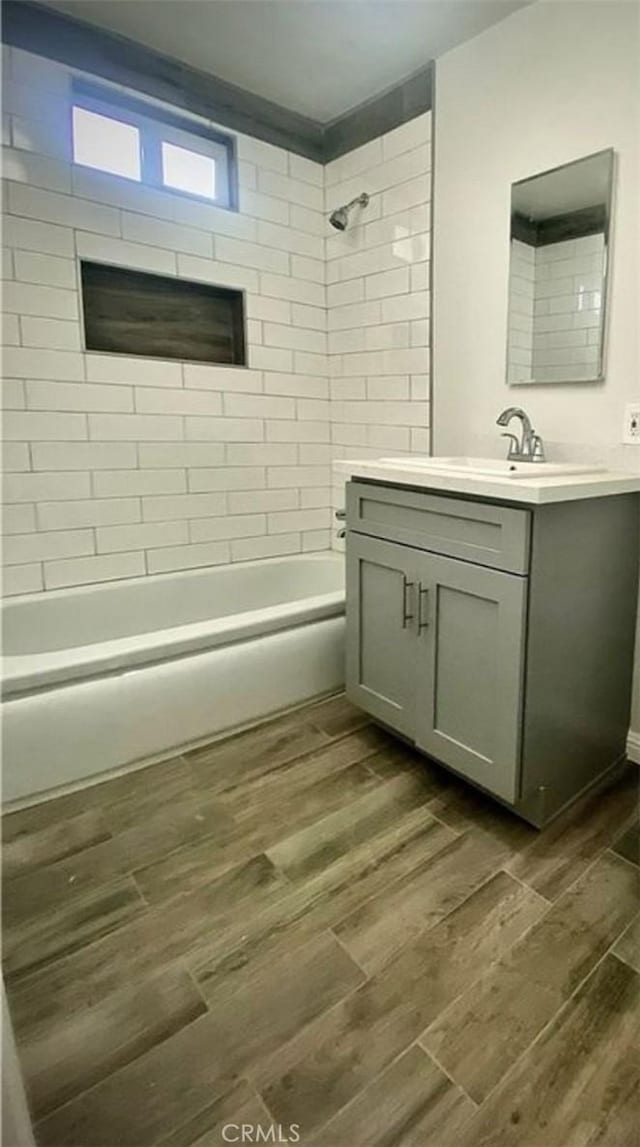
column 470, row 625
column 381, row 634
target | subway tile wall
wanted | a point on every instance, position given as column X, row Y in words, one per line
column 555, row 310
column 378, row 298
column 117, row 466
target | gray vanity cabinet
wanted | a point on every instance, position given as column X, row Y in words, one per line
column 381, row 653
column 435, row 651
column 497, row 639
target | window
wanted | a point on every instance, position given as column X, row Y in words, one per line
column 126, row 137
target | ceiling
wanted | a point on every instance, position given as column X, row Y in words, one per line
column 320, row 58
column 585, row 183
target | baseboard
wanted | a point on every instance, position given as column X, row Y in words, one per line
column 633, row 747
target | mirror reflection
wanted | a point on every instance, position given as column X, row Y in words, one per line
column 558, row 269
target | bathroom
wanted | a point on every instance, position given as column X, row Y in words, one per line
column 273, row 272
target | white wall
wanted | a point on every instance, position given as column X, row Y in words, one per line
column 554, row 82
column 118, row 466
column 378, row 296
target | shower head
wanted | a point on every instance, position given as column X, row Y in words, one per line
column 340, row 217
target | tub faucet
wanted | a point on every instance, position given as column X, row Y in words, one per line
column 530, row 448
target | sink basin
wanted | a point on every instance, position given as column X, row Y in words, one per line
column 495, row 467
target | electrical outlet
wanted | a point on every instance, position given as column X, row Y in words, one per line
column 631, row 428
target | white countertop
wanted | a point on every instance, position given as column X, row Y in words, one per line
column 534, row 491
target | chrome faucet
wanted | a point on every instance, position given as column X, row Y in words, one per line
column 530, row 448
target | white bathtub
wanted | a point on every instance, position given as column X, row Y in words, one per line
column 101, row 677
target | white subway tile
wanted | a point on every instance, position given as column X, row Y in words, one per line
column 387, row 336
column 262, row 501
column 226, row 478
column 138, row 256
column 303, row 219
column 314, row 540
column 48, row 302
column 386, row 283
column 293, row 190
column 20, row 548
column 18, row 519
column 164, row 401
column 94, row 512
column 403, row 308
column 21, row 579
column 45, row 270
column 258, row 206
column 134, row 427
column 219, row 529
column 83, row 455
column 296, row 385
column 388, row 437
column 314, row 497
column 304, row 267
column 252, row 255
column 55, row 334
column 420, row 440
column 180, row 506
column 348, row 388
column 279, row 476
column 315, row 454
column 263, row 155
column 342, row 294
column 220, row 274
column 10, row 330
column 45, row 136
column 258, row 406
column 306, row 169
column 295, row 338
column 356, row 162
column 405, row 195
column 35, row 170
column 419, row 277
column 349, row 434
column 277, row 545
column 297, row 431
column 188, row 557
column 80, row 571
column 181, row 455
column 247, row 175
column 120, row 483
column 261, row 454
column 67, row 210
column 13, row 394
column 22, row 487
column 198, row 376
column 271, row 310
column 15, row 457
column 270, row 358
column 38, row 73
column 27, row 426
column 287, row 239
column 150, row 535
column 158, row 233
column 292, row 520
column 284, row 287
column 254, row 332
column 389, row 387
column 307, row 362
column 132, row 371
column 223, row 430
column 217, row 220
column 313, row 318
column 381, row 413
column 312, row 409
column 414, row 133
column 420, row 389
column 81, row 396
column 420, row 333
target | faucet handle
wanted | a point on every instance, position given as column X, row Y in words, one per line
column 514, row 445
column 537, row 448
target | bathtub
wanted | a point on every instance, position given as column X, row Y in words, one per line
column 107, row 676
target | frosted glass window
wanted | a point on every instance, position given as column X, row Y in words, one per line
column 188, row 171
column 106, row 144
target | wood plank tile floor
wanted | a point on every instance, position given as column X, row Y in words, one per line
column 311, row 930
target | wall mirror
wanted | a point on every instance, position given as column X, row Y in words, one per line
column 558, row 273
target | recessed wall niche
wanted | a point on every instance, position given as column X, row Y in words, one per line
column 159, row 316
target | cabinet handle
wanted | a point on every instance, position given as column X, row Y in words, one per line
column 423, row 621
column 406, row 616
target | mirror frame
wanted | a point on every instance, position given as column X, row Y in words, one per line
column 600, row 375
